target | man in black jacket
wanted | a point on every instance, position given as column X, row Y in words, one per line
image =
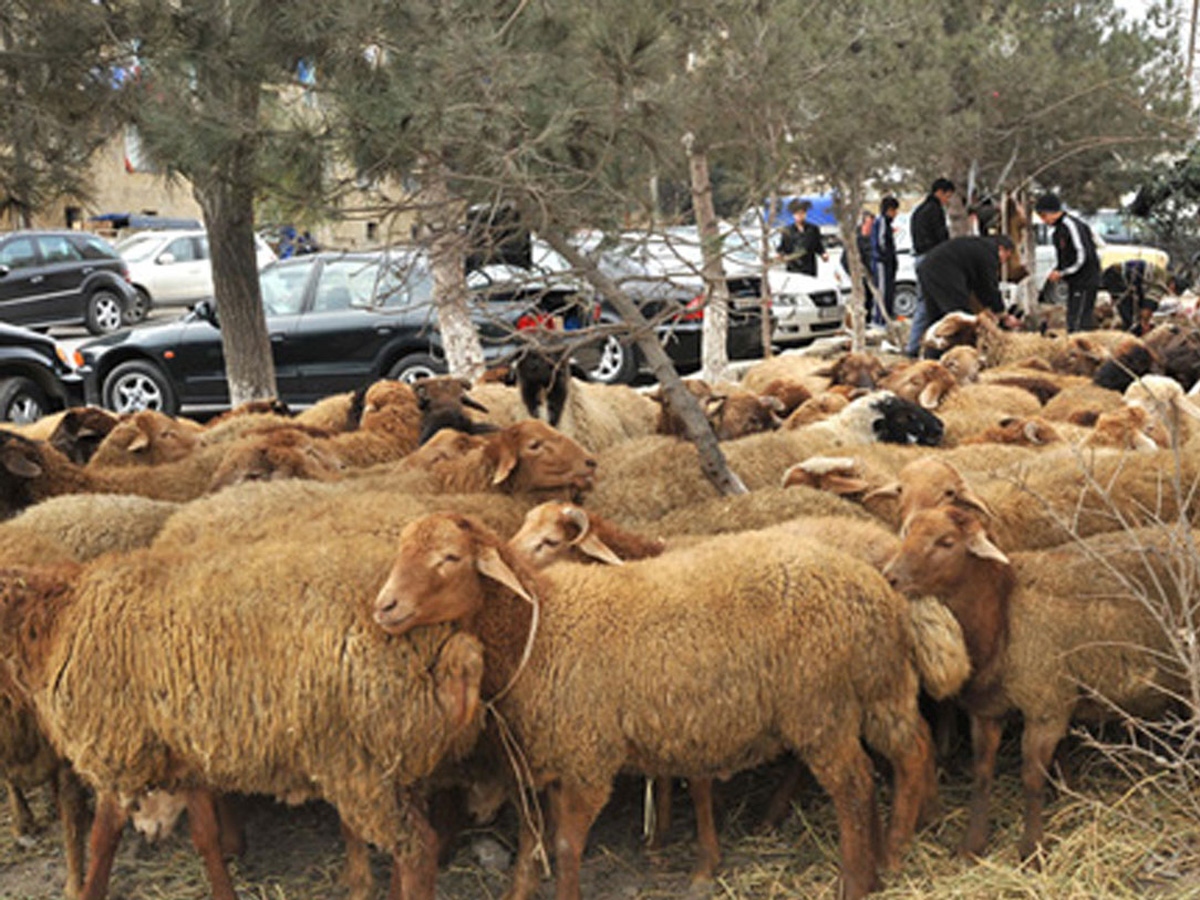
column 928, row 228
column 800, row 243
column 1078, row 262
column 961, row 268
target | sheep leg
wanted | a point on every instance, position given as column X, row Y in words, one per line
column 706, row 829
column 915, row 778
column 357, row 873
column 781, row 800
column 102, row 846
column 70, row 798
column 524, row 874
column 206, row 838
column 414, row 869
column 575, row 809
column 662, row 812
column 1038, row 743
column 22, row 815
column 844, row 771
column 985, row 742
column 233, row 831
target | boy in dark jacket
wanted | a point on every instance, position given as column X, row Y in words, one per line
column 1078, row 262
column 800, row 243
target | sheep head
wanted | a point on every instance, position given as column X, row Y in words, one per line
column 741, row 414
column 926, row 383
column 1131, row 428
column 839, row 475
column 442, row 562
column 533, row 457
column 963, row 363
column 552, row 530
column 278, row 455
column 952, row 330
column 147, row 438
column 1078, row 355
column 1031, row 432
column 81, row 431
column 928, row 483
column 859, row 370
column 897, row 421
column 939, row 552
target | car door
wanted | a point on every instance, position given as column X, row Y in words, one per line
column 357, row 309
column 200, row 362
column 22, row 286
column 63, row 270
column 182, row 272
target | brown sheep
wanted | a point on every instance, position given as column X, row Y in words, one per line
column 156, row 696
column 285, row 453
column 1045, row 632
column 1033, row 431
column 443, row 401
column 788, row 392
column 858, row 370
column 963, row 363
column 271, row 406
column 339, row 412
column 146, row 438
column 1130, row 428
column 816, row 409
column 577, row 734
column 563, row 531
column 840, row 475
column 925, row 382
column 1081, row 404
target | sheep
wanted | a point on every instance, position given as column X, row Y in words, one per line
column 338, row 412
column 146, row 438
column 555, row 531
column 1177, row 348
column 1131, row 359
column 81, row 527
column 285, row 453
column 963, row 363
column 879, row 416
column 840, row 475
column 1130, row 428
column 955, row 329
column 443, row 402
column 968, row 410
column 792, row 367
column 1045, row 632
column 1044, row 385
column 1033, row 431
column 1163, row 398
column 925, row 382
column 582, row 716
column 160, row 694
column 732, row 413
column 815, row 409
column 1081, row 404
column 788, row 392
column 271, row 406
column 80, row 431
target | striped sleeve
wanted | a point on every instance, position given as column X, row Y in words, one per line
column 1077, row 243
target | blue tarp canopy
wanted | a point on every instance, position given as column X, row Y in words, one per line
column 821, row 212
column 133, row 220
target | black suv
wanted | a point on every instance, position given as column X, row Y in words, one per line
column 37, row 376
column 62, row 278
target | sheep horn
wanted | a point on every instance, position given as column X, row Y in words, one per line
column 577, row 517
column 473, row 404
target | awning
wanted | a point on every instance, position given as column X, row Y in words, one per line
column 133, row 220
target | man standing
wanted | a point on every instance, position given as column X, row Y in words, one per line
column 800, row 243
column 883, row 256
column 961, row 268
column 928, row 229
column 1078, row 263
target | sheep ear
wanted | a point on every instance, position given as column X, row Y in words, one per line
column 507, row 458
column 846, row 484
column 1143, row 442
column 969, row 498
column 141, row 442
column 887, row 492
column 979, row 545
column 931, row 395
column 18, row 463
column 598, row 550
column 473, row 404
column 490, row 563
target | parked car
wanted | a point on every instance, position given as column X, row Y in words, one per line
column 173, row 267
column 62, row 278
column 37, row 376
column 336, row 322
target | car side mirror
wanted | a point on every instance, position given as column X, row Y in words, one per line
column 207, row 310
column 165, row 259
column 4, row 270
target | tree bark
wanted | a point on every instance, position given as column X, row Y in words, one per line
column 699, row 432
column 714, row 351
column 225, row 193
column 440, row 219
column 766, row 257
column 848, row 225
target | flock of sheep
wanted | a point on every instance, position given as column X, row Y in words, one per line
column 406, row 592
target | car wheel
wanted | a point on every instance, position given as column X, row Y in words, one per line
column 416, row 366
column 137, row 385
column 22, row 401
column 105, row 311
column 612, row 362
column 139, row 308
column 905, row 301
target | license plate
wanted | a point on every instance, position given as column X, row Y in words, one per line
column 829, row 312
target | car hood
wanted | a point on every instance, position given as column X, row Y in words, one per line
column 149, row 336
column 14, row 336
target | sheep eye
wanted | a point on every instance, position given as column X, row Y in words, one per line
column 949, row 492
column 534, row 445
column 451, row 558
column 945, row 542
column 550, row 543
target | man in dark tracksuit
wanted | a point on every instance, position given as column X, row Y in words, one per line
column 1078, row 262
column 928, row 228
column 800, row 243
column 883, row 256
column 962, row 267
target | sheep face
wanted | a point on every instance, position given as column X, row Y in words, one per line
column 1079, row 355
column 81, row 431
column 532, row 457
column 952, row 330
column 963, row 363
column 1131, row 428
column 938, row 552
column 899, row 422
column 283, row 454
column 438, row 575
column 860, row 370
column 925, row 383
column 147, row 438
column 926, row 484
column 739, row 415
column 443, row 402
column 550, row 532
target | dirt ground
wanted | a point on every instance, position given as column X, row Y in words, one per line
column 1108, row 841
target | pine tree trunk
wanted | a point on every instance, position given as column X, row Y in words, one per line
column 225, row 193
column 766, row 257
column 699, row 432
column 447, row 253
column 848, row 225
column 714, row 350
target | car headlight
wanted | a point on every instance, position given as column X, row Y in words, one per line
column 67, row 359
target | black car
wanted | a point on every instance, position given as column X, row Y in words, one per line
column 37, row 376
column 62, row 278
column 336, row 322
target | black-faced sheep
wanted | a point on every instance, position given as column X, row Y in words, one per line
column 443, row 401
column 1048, row 632
column 130, row 666
column 80, row 432
column 582, row 716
